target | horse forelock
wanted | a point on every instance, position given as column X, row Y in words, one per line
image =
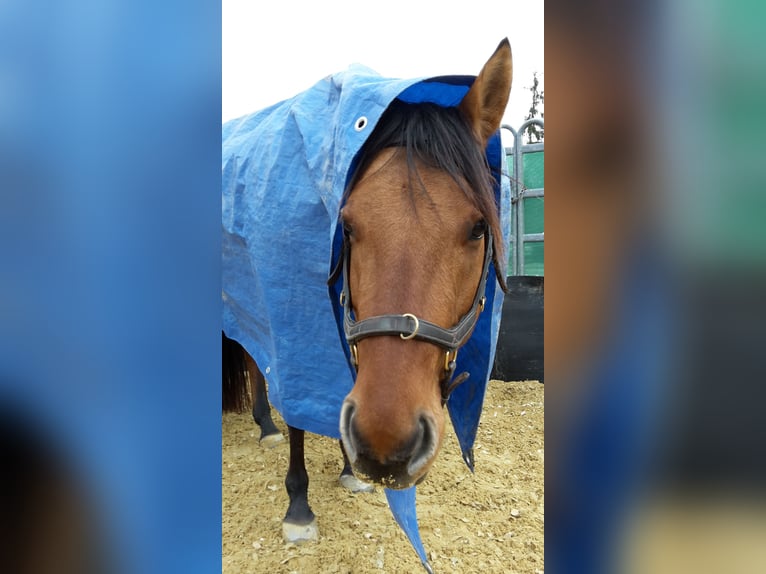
column 441, row 138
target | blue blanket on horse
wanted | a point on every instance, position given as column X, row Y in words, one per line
column 285, row 169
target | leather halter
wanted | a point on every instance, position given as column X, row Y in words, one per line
column 408, row 326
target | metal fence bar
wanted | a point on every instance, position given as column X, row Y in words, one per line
column 532, row 147
column 519, row 158
column 518, row 176
column 531, row 237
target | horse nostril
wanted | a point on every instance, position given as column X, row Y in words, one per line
column 346, row 433
column 425, row 446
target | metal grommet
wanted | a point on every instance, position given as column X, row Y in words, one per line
column 414, row 330
column 361, row 123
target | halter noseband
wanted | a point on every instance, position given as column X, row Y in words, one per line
column 408, row 326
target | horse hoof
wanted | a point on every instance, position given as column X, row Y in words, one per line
column 352, row 483
column 298, row 533
column 272, row 440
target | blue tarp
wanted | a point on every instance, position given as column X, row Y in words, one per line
column 285, row 169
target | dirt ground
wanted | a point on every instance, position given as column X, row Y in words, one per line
column 491, row 521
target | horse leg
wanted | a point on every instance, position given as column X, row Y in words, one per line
column 347, row 478
column 270, row 435
column 300, row 523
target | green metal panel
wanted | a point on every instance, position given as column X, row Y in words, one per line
column 534, row 169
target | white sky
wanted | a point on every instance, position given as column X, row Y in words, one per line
column 274, row 49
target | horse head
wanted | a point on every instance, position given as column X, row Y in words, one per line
column 421, row 225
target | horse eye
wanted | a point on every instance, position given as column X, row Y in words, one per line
column 479, row 230
column 347, row 229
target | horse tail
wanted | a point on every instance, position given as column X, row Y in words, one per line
column 235, row 384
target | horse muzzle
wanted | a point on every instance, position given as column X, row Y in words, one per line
column 395, row 464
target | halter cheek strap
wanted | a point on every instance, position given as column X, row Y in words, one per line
column 408, row 326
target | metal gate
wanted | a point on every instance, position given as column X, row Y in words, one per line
column 526, row 170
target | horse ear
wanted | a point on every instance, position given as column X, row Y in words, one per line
column 485, row 102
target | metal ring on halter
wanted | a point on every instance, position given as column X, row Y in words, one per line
column 414, row 331
column 449, row 357
column 354, row 354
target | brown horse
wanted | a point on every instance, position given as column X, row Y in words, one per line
column 421, row 228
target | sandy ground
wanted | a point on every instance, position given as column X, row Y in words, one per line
column 491, row 521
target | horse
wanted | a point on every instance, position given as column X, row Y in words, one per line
column 419, row 233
